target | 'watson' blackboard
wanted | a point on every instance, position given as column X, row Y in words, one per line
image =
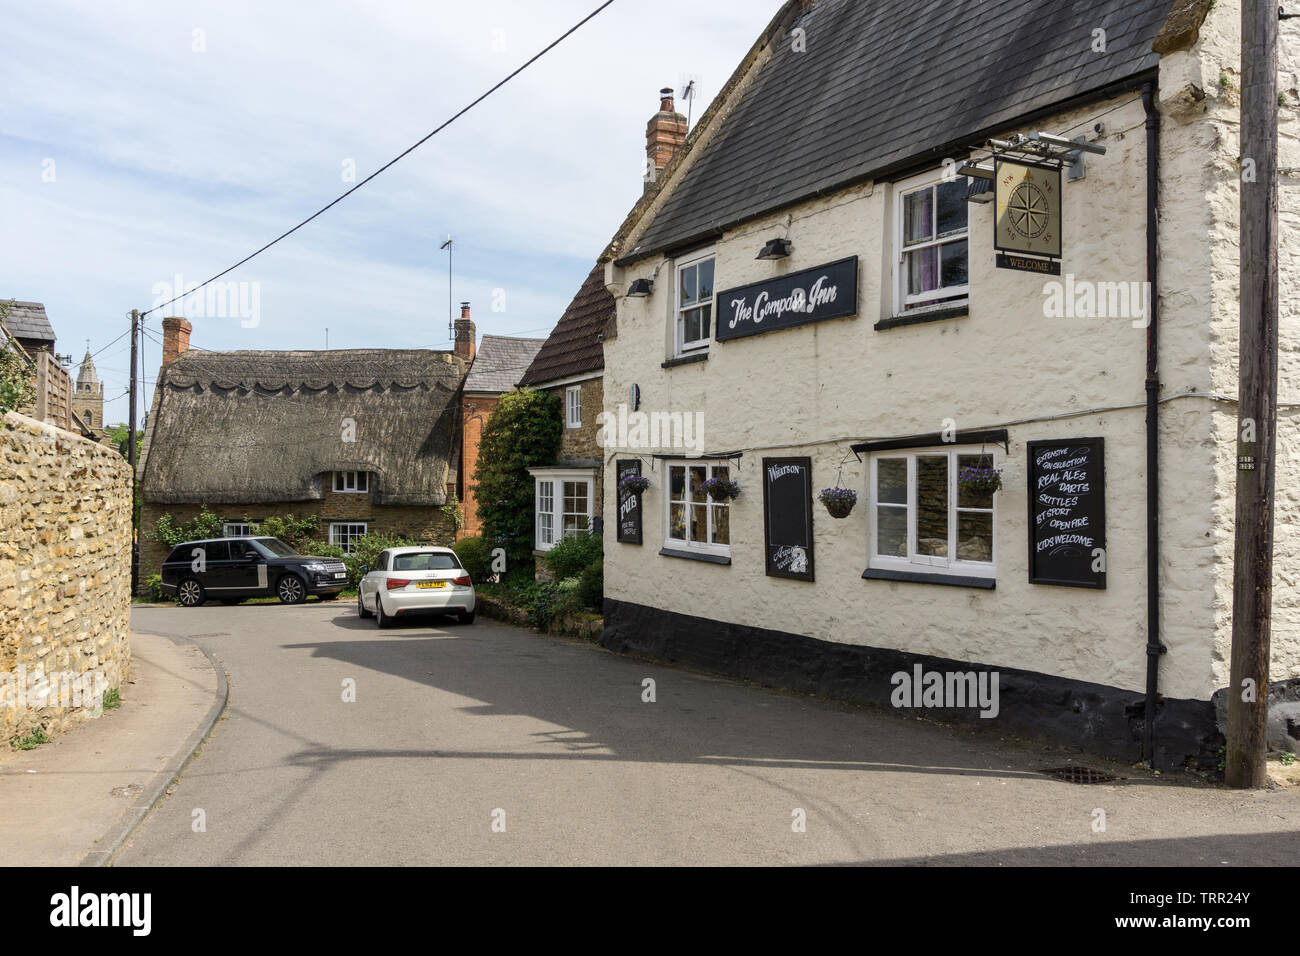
column 787, row 517
column 629, row 505
column 1067, row 512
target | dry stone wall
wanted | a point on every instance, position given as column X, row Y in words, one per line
column 65, row 575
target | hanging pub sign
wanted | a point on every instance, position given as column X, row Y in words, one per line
column 629, row 504
column 788, row 517
column 1067, row 512
column 827, row 292
column 1028, row 219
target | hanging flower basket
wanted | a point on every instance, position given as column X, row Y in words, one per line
column 720, row 489
column 979, row 479
column 839, row 502
column 633, row 484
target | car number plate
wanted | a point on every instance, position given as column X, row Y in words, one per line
column 340, row 574
column 431, row 584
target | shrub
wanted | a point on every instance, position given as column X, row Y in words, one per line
column 476, row 556
column 523, row 430
column 591, row 586
column 571, row 556
column 154, row 585
column 171, row 533
column 540, row 603
column 294, row 531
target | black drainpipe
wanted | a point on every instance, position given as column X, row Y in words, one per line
column 1154, row 646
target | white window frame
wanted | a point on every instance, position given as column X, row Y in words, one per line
column 681, row 347
column 686, row 544
column 229, row 529
column 344, row 540
column 548, row 504
column 941, row 298
column 915, row 562
column 351, row 482
column 573, row 406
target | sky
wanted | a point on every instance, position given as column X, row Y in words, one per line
column 146, row 145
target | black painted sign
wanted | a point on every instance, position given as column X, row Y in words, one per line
column 788, row 517
column 629, row 505
column 1067, row 512
column 827, row 292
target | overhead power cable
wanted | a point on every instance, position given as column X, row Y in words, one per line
column 402, row 155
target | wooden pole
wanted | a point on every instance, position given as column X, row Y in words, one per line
column 130, row 452
column 1252, row 594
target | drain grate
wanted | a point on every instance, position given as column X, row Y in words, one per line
column 1080, row 775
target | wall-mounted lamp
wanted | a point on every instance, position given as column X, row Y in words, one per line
column 640, row 288
column 775, row 249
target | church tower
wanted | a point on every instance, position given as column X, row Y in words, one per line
column 88, row 396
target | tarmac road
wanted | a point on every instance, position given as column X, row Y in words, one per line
column 459, row 731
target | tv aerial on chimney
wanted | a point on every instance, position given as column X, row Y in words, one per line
column 688, row 94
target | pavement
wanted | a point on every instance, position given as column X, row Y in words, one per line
column 73, row 800
column 438, row 743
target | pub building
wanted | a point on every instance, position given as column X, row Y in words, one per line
column 917, row 270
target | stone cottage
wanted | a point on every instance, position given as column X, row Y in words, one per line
column 366, row 440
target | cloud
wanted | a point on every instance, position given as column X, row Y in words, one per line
column 170, row 159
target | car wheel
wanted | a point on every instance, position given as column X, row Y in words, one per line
column 382, row 619
column 465, row 617
column 190, row 593
column 291, row 589
column 361, row 608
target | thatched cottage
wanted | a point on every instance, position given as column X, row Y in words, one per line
column 366, row 440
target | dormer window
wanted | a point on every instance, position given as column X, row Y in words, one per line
column 351, row 482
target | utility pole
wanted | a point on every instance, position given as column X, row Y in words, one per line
column 1252, row 593
column 130, row 452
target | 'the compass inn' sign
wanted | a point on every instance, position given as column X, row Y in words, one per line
column 827, row 292
column 1028, row 220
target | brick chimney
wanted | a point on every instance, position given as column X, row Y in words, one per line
column 465, row 335
column 664, row 135
column 176, row 338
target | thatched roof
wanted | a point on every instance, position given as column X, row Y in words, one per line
column 264, row 427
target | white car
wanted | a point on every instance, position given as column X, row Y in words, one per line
column 416, row 580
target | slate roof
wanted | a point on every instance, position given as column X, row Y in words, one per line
column 574, row 346
column 500, row 362
column 888, row 84
column 28, row 321
column 260, row 427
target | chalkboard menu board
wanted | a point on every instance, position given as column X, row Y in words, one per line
column 787, row 517
column 629, row 505
column 1067, row 512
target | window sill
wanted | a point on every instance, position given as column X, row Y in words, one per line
column 686, row 360
column 935, row 315
column 928, row 577
column 694, row 556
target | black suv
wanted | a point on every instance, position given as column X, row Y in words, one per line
column 232, row 569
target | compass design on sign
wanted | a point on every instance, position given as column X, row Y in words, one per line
column 1027, row 210
column 1028, row 218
